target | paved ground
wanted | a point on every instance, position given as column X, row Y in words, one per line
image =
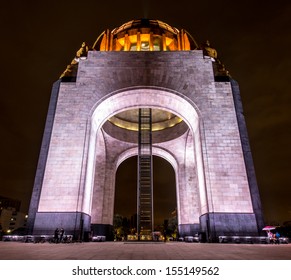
column 140, row 251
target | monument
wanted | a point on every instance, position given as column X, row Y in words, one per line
column 146, row 69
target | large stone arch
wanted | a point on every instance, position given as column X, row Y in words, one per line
column 188, row 165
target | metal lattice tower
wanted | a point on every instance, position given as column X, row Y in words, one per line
column 145, row 182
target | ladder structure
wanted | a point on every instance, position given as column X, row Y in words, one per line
column 145, row 179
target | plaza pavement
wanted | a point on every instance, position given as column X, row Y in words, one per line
column 143, row 251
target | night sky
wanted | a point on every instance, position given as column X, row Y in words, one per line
column 253, row 40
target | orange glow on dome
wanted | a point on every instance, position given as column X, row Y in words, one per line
column 145, row 35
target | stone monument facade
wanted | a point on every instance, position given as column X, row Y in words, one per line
column 198, row 127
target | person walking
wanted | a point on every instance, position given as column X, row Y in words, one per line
column 56, row 236
column 271, row 237
column 62, row 231
column 276, row 238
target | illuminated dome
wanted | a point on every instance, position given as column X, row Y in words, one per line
column 145, row 35
column 156, row 26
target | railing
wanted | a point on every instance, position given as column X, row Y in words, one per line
column 250, row 239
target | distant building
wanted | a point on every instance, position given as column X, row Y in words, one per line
column 10, row 220
column 6, row 202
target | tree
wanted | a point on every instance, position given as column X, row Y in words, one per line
column 121, row 227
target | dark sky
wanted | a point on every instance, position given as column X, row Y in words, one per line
column 253, row 40
column 164, row 189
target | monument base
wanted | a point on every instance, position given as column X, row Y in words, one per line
column 103, row 230
column 228, row 224
column 188, row 229
column 74, row 223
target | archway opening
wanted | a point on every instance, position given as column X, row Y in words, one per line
column 125, row 203
column 168, row 143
